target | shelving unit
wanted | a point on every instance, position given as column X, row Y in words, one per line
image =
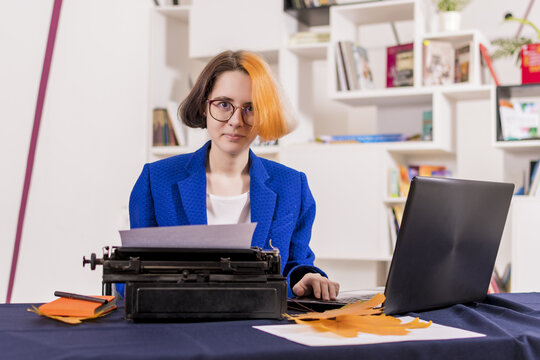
column 389, row 110
column 348, row 181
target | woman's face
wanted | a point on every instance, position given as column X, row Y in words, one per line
column 233, row 136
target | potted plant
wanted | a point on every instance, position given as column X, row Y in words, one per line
column 523, row 48
column 510, row 46
column 450, row 13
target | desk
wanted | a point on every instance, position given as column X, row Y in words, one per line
column 510, row 321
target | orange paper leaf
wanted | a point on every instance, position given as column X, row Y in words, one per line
column 361, row 316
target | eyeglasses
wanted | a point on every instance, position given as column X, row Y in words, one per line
column 223, row 110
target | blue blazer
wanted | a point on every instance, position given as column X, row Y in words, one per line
column 172, row 192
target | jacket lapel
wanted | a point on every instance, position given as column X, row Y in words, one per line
column 193, row 188
column 263, row 201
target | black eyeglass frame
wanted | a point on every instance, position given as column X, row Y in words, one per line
column 211, row 101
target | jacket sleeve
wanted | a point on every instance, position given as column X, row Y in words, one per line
column 141, row 204
column 300, row 261
column 141, row 209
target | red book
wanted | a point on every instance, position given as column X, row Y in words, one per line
column 487, row 60
column 530, row 63
column 399, row 65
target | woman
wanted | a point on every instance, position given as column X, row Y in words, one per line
column 236, row 99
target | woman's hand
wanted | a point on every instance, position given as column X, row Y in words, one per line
column 317, row 285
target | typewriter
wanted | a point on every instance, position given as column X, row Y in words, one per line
column 172, row 283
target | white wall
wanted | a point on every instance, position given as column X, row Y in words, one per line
column 23, row 36
column 92, row 141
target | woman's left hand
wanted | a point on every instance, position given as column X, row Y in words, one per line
column 317, row 285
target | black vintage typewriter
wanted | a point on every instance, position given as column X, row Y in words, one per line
column 172, row 283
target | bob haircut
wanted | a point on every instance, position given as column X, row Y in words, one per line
column 270, row 115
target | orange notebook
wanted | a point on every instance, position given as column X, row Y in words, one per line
column 77, row 308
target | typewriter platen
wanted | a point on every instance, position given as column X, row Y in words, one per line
column 172, row 283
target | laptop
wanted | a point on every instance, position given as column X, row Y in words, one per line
column 446, row 247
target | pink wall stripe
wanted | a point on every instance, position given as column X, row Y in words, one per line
column 33, row 141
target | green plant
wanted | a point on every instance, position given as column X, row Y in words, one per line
column 510, row 46
column 451, row 5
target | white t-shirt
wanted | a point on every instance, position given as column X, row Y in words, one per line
column 228, row 209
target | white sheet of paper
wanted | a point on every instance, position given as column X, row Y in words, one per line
column 306, row 335
column 227, row 236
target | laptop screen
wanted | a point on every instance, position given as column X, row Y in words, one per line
column 447, row 243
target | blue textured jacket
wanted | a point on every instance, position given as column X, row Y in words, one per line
column 172, row 192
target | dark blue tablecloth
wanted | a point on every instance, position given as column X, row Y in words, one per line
column 510, row 321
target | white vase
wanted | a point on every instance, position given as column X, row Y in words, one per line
column 449, row 21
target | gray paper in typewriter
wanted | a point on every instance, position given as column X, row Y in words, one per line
column 228, row 236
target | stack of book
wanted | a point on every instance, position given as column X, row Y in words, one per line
column 400, row 179
column 167, row 130
column 309, row 37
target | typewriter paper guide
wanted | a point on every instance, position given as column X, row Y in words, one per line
column 227, row 236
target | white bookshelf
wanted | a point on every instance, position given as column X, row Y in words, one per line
column 349, row 181
column 523, row 220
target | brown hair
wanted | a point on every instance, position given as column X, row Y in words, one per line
column 270, row 120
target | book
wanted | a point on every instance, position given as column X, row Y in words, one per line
column 519, row 120
column 438, row 63
column 407, row 173
column 392, row 228
column 486, row 63
column 427, row 125
column 530, row 63
column 462, row 60
column 163, row 133
column 360, row 138
column 400, row 65
column 404, row 180
column 351, row 68
column 393, row 188
column 431, row 170
column 77, row 308
column 342, row 82
column 170, row 138
column 178, row 127
column 398, row 213
column 363, row 70
column 535, row 180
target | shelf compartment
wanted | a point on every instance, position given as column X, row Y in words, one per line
column 315, row 51
column 311, row 16
column 377, row 12
column 178, row 12
column 389, row 96
column 518, row 145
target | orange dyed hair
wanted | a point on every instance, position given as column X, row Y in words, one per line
column 271, row 121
